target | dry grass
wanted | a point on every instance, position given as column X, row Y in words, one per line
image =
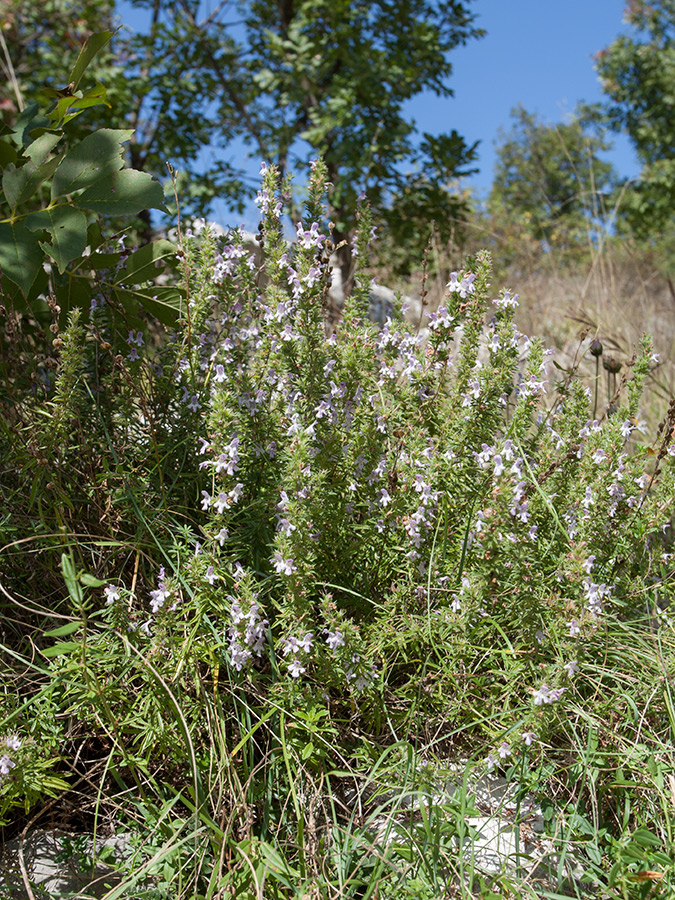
column 616, row 295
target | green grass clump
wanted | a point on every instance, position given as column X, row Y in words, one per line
column 306, row 571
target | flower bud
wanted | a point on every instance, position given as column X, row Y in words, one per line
column 596, row 348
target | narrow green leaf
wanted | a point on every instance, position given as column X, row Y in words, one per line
column 124, row 193
column 20, row 254
column 93, row 44
column 68, row 229
column 63, row 630
column 95, row 159
column 61, row 649
column 68, row 108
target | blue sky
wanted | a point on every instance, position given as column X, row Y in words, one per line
column 537, row 53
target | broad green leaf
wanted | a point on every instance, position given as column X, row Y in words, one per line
column 63, row 630
column 40, row 149
column 73, row 290
column 7, row 153
column 20, row 184
column 68, row 229
column 61, row 649
column 92, row 46
column 97, row 158
column 98, row 261
column 124, row 193
column 28, row 121
column 20, row 254
column 89, row 580
column 142, row 266
column 166, row 304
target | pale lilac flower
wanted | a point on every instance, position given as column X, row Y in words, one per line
column 335, row 639
column 236, row 492
column 590, row 562
column 504, row 750
column 210, row 575
column 571, row 667
column 307, row 642
column 626, row 429
column 506, row 301
column 599, row 456
column 159, row 597
column 491, row 761
column 385, row 498
column 312, row 276
column 132, row 355
column 205, row 445
column 221, row 502
column 207, row 499
column 6, row 765
column 284, row 566
column 528, row 737
column 220, row 373
column 574, row 628
column 311, row 238
column 290, row 645
column 111, row 592
column 296, row 669
column 194, row 403
column 542, row 695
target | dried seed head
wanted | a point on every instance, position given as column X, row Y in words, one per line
column 612, row 364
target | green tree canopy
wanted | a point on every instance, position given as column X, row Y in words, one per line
column 552, row 179
column 290, row 80
column 638, row 76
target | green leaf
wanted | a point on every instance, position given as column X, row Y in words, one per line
column 20, row 254
column 63, row 630
column 41, row 147
column 20, row 184
column 165, row 303
column 68, row 229
column 125, row 193
column 142, row 264
column 93, row 44
column 28, row 121
column 90, row 581
column 7, row 153
column 61, row 649
column 97, row 96
column 69, row 107
column 95, row 159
